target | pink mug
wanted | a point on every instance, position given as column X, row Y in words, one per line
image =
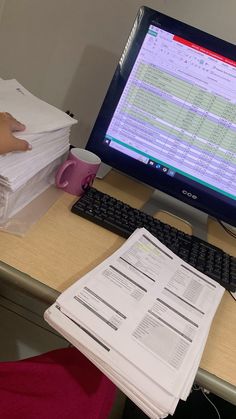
column 78, row 172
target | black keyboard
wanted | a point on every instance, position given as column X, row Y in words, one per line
column 122, row 219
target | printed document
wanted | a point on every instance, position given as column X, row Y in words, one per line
column 143, row 317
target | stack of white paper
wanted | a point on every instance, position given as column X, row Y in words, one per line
column 142, row 317
column 47, row 130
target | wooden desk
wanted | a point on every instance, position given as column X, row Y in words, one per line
column 62, row 247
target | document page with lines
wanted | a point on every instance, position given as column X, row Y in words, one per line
column 149, row 307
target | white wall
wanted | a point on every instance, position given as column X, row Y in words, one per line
column 65, row 51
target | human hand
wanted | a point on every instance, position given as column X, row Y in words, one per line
column 8, row 142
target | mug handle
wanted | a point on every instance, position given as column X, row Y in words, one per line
column 60, row 172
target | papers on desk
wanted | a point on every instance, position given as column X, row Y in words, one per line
column 47, row 129
column 27, row 174
column 142, row 317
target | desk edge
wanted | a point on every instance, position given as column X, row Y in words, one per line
column 27, row 284
column 216, row 385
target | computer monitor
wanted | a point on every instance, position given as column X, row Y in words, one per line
column 169, row 115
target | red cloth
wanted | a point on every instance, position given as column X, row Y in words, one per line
column 60, row 384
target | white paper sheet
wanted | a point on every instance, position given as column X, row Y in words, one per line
column 151, row 311
column 47, row 130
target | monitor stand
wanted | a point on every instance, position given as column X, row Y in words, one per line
column 103, row 170
column 197, row 219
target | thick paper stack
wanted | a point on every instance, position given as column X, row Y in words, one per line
column 142, row 317
column 47, row 130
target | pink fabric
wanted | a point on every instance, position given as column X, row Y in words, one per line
column 60, row 384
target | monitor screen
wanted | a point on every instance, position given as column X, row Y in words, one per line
column 169, row 116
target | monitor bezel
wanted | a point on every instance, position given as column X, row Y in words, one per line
column 206, row 200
